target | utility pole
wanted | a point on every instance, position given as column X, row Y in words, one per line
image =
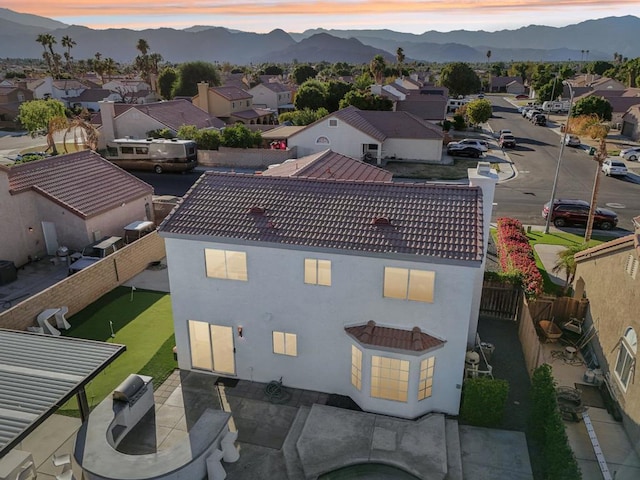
column 599, row 156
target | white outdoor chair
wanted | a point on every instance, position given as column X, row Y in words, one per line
column 61, row 322
column 61, row 459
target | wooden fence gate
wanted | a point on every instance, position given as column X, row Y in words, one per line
column 501, row 300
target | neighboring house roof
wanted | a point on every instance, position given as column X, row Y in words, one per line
column 231, row 93
column 173, row 114
column 622, row 243
column 42, row 372
column 328, row 164
column 281, row 132
column 413, row 340
column 276, row 87
column 382, row 124
column 7, row 90
column 251, row 113
column 434, row 220
column 91, row 95
column 68, row 84
column 83, row 182
column 504, row 81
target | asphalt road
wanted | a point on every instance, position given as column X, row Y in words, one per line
column 536, row 160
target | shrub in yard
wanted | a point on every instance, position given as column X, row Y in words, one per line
column 483, row 401
column 547, row 428
column 459, row 122
column 516, row 255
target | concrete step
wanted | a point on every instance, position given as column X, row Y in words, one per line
column 289, row 448
column 454, row 451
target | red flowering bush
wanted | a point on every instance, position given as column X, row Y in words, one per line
column 516, row 255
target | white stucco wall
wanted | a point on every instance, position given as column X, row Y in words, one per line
column 275, row 298
column 263, row 96
column 135, row 124
column 343, row 139
column 413, row 149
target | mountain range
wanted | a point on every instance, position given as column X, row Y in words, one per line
column 589, row 40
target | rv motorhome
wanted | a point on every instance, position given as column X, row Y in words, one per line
column 159, row 155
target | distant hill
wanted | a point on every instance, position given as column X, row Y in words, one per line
column 600, row 38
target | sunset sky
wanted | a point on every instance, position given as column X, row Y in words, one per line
column 412, row 16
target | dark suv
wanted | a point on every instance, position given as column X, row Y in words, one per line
column 539, row 119
column 576, row 212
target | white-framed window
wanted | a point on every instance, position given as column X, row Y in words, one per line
column 333, row 122
column 226, row 264
column 356, row 367
column 285, row 344
column 389, row 378
column 632, row 266
column 322, row 140
column 426, row 377
column 409, row 284
column 626, row 362
column 317, row 272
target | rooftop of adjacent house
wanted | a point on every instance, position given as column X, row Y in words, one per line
column 414, row 340
column 173, row 113
column 231, row 92
column 276, row 87
column 434, row 220
column 252, row 113
column 91, row 95
column 622, row 243
column 382, row 125
column 329, row 164
column 38, row 373
column 68, row 84
column 82, row 182
column 281, row 131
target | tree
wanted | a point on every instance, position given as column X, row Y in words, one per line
column 142, row 46
column 566, row 263
column 190, row 73
column 311, row 94
column 593, row 105
column 599, row 67
column 336, row 92
column 303, row 117
column 479, row 111
column 460, row 79
column 47, row 40
column 377, row 68
column 166, row 81
column 48, row 116
column 68, row 43
column 366, row 101
column 239, row 136
column 400, row 59
column 522, row 70
column 302, row 73
column 272, row 70
column 488, row 56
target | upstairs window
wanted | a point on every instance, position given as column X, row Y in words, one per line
column 226, row 264
column 333, row 122
column 626, row 362
column 408, row 284
column 317, row 272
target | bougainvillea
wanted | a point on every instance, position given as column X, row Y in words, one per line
column 516, row 255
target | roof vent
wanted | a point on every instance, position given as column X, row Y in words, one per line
column 416, row 338
column 381, row 221
column 257, row 210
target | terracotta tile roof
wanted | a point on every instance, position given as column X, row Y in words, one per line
column 436, row 220
column 413, row 340
column 277, row 87
column 382, row 125
column 252, row 113
column 83, row 182
column 231, row 92
column 329, row 164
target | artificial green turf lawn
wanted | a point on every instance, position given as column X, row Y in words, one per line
column 142, row 321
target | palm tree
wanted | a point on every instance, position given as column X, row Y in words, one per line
column 488, row 55
column 377, row 67
column 400, row 58
column 46, row 39
column 68, row 43
column 566, row 264
column 143, row 46
column 108, row 68
column 88, row 133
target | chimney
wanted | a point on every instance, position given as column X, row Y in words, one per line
column 108, row 113
column 203, row 96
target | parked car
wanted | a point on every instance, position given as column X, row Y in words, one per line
column 481, row 145
column 466, row 151
column 632, row 153
column 530, row 113
column 525, row 110
column 502, row 132
column 522, row 96
column 571, row 140
column 616, row 168
column 507, row 141
column 576, row 212
column 539, row 119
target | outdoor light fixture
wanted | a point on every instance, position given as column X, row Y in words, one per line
column 564, row 140
column 240, row 332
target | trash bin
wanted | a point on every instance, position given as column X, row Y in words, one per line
column 592, row 151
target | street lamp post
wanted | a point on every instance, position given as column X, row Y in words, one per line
column 564, row 140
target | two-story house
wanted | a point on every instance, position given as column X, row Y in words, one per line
column 231, row 104
column 367, row 133
column 609, row 276
column 274, row 96
column 10, row 100
column 358, row 288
